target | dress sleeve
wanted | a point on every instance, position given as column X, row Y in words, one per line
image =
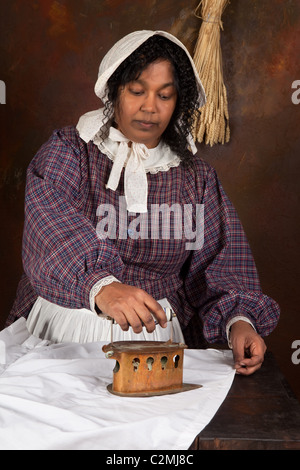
column 62, row 255
column 222, row 282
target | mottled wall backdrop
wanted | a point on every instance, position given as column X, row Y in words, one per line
column 50, row 53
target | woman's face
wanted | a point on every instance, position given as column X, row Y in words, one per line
column 145, row 106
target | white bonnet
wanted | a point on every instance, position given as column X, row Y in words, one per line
column 126, row 46
column 90, row 123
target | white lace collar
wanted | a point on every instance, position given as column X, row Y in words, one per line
column 136, row 158
column 160, row 158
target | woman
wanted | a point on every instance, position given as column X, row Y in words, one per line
column 95, row 245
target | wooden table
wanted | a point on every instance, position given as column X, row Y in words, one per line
column 260, row 412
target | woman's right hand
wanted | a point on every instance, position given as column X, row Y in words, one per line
column 130, row 306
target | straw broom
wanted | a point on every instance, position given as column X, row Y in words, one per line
column 212, row 125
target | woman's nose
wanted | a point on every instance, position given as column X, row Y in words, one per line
column 149, row 104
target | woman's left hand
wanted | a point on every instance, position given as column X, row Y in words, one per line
column 248, row 348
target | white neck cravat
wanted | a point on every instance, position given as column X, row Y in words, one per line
column 137, row 159
column 135, row 178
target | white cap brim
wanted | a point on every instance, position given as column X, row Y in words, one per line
column 124, row 48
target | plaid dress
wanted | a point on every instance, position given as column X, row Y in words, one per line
column 64, row 256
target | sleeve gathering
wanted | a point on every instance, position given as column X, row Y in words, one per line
column 222, row 282
column 62, row 255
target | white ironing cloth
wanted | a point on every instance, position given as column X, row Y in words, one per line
column 54, row 397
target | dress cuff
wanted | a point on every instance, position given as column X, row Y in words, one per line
column 96, row 289
column 231, row 322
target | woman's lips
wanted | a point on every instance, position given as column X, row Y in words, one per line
column 146, row 124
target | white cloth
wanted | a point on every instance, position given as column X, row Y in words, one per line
column 59, row 324
column 160, row 158
column 135, row 179
column 54, row 397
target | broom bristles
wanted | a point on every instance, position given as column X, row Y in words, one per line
column 212, row 124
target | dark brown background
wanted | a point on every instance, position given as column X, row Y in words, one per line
column 50, row 53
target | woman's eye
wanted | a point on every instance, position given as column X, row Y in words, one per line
column 164, row 97
column 136, row 92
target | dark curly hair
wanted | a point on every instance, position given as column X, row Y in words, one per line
column 181, row 124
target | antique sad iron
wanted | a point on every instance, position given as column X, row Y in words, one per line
column 147, row 368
